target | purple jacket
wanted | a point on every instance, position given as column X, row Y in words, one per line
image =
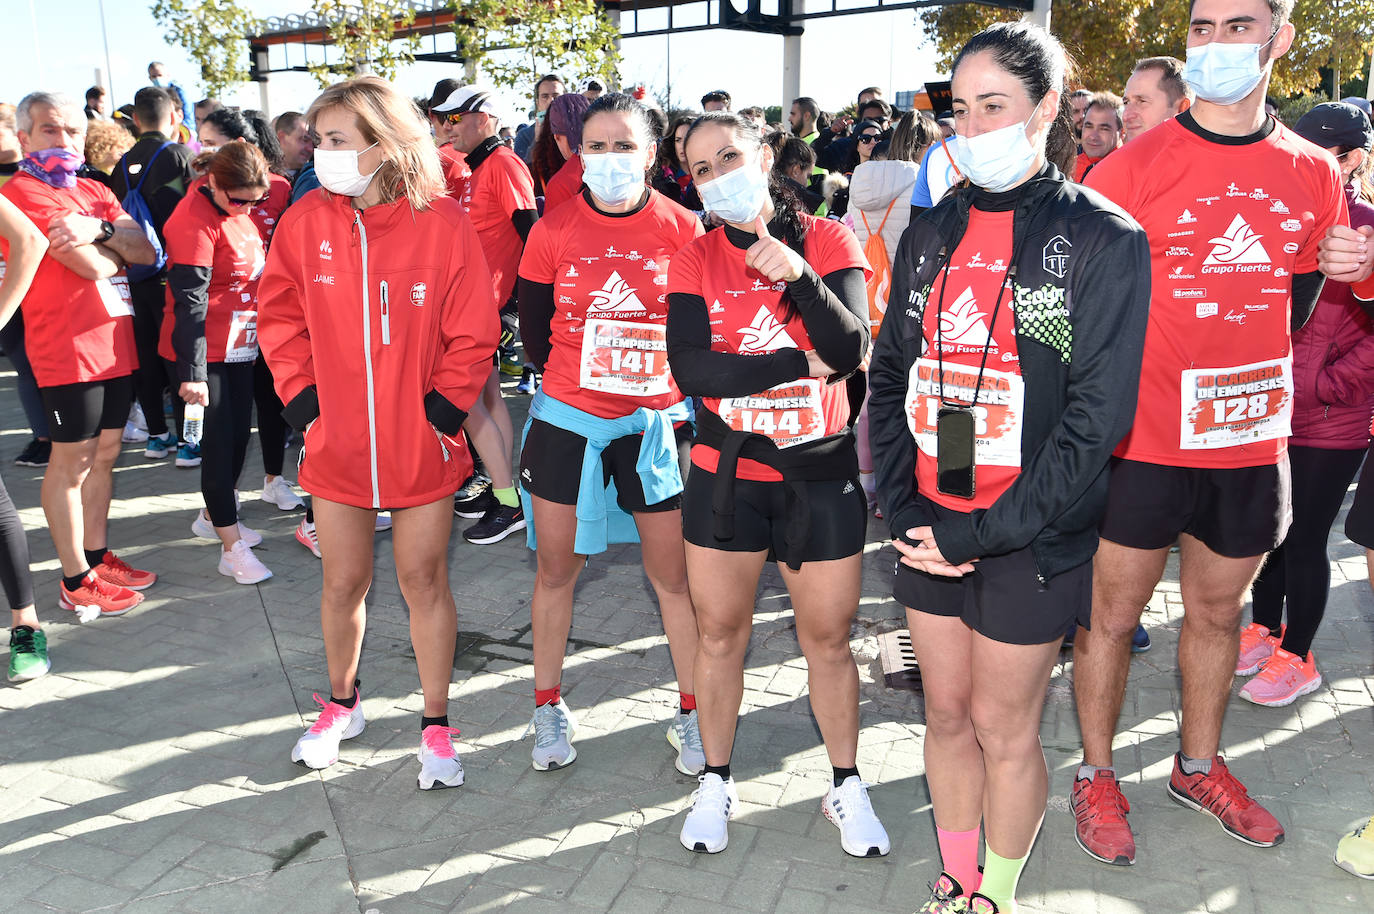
column 1333, row 364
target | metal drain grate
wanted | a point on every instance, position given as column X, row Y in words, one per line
column 899, row 661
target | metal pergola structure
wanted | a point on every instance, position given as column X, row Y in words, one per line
column 288, row 43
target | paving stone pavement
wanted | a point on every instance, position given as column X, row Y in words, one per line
column 149, row 771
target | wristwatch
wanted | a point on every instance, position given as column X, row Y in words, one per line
column 107, row 231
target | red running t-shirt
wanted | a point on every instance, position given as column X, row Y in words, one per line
column 564, row 184
column 76, row 330
column 496, row 188
column 200, row 234
column 266, row 216
column 745, row 311
column 609, row 353
column 456, row 171
column 1229, row 227
column 967, row 326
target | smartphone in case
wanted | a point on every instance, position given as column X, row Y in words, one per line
column 954, row 445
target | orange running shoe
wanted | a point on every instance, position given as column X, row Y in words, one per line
column 1256, row 647
column 114, row 570
column 110, row 599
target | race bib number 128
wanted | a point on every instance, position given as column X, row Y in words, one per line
column 1226, row 407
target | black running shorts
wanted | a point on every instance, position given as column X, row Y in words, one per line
column 839, row 518
column 1237, row 513
column 551, row 467
column 1002, row 598
column 81, row 411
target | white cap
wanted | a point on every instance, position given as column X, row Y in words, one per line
column 593, row 82
column 466, row 99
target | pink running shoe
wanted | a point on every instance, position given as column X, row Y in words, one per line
column 1256, row 647
column 1284, row 679
column 318, row 747
column 439, row 764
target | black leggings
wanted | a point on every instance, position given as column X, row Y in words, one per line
column 224, row 441
column 148, row 298
column 1300, row 568
column 14, row 555
column 271, row 426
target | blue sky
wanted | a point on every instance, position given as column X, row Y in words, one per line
column 59, row 46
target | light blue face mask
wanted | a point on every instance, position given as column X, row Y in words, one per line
column 996, row 160
column 738, row 196
column 614, row 178
column 1223, row 73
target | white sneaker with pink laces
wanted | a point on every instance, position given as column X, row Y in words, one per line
column 318, row 747
column 439, row 764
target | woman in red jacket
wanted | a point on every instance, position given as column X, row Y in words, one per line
column 1333, row 368
column 378, row 323
column 209, row 336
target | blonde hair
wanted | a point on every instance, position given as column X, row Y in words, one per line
column 410, row 166
column 106, row 142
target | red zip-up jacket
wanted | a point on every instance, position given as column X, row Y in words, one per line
column 378, row 326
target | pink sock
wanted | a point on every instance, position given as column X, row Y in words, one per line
column 959, row 857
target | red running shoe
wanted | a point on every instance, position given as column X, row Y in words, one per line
column 114, row 570
column 110, row 599
column 1099, row 811
column 1219, row 794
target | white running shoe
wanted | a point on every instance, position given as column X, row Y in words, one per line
column 318, row 747
column 383, row 521
column 279, row 492
column 861, row 834
column 202, row 528
column 685, row 737
column 439, row 765
column 553, row 726
column 133, row 434
column 137, row 419
column 713, row 805
column 242, row 565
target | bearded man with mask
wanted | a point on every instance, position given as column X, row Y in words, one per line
column 80, row 343
column 1235, row 206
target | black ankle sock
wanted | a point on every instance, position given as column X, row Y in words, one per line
column 842, row 773
column 352, row 698
column 74, row 582
column 95, row 556
column 441, row 721
column 310, row 514
column 25, row 628
column 722, row 771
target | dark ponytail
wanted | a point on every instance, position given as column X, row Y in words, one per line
column 266, row 138
column 1040, row 63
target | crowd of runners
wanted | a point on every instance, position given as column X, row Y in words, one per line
column 1047, row 336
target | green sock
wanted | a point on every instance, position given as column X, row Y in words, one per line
column 1000, row 877
column 506, row 496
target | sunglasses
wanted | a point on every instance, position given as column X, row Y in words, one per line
column 256, row 201
column 455, row 117
column 869, row 138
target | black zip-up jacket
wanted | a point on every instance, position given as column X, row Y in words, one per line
column 1080, row 296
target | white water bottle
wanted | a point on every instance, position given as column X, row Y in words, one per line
column 191, row 425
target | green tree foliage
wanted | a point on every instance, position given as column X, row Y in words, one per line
column 1107, row 37
column 514, row 42
column 363, row 33
column 213, row 33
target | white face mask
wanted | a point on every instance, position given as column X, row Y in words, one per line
column 996, row 160
column 1222, row 73
column 614, row 178
column 737, row 196
column 338, row 172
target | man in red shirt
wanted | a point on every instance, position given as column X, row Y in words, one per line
column 1235, row 206
column 81, row 344
column 1101, row 132
column 499, row 198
